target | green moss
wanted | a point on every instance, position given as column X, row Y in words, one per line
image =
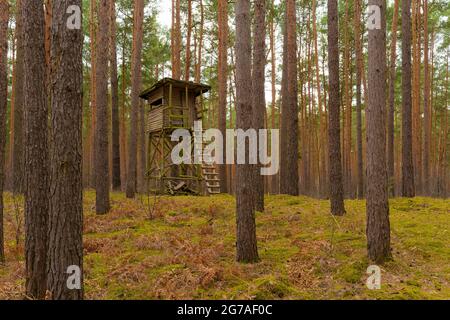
column 293, row 202
column 271, row 288
column 305, row 253
column 413, row 282
column 353, row 272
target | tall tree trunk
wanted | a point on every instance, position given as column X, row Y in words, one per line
column 274, row 179
column 36, row 150
column 222, row 85
column 426, row 107
column 289, row 111
column 325, row 127
column 258, row 92
column 391, row 108
column 17, row 153
column 377, row 205
column 172, row 37
column 336, row 187
column 187, row 69
column 114, row 101
column 66, row 189
column 359, row 68
column 444, row 163
column 9, row 175
column 416, row 114
column 93, row 89
column 4, row 18
column 347, row 109
column 141, row 166
column 408, row 189
column 135, row 90
column 321, row 139
column 246, row 246
column 123, row 140
column 176, row 34
column 101, row 168
column 200, row 45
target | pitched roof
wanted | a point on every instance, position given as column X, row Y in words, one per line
column 198, row 88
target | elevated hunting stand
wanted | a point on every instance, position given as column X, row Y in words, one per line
column 175, row 104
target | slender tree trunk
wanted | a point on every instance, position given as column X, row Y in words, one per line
column 377, row 205
column 17, row 154
column 135, row 90
column 258, row 92
column 200, row 45
column 325, row 126
column 444, row 165
column 36, row 150
column 222, row 79
column 4, row 18
column 391, row 108
column 347, row 109
column 114, row 101
column 9, row 175
column 336, row 187
column 359, row 67
column 426, row 107
column 289, row 111
column 141, row 148
column 172, row 37
column 101, row 168
column 274, row 178
column 187, row 69
column 246, row 247
column 416, row 114
column 66, row 189
column 408, row 189
column 123, row 140
column 321, row 154
column 93, row 89
column 176, row 34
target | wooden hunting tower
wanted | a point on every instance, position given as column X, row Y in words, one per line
column 174, row 104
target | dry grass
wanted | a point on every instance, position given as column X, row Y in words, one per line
column 187, row 251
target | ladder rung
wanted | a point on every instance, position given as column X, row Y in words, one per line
column 213, row 185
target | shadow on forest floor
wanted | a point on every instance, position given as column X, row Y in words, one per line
column 187, row 250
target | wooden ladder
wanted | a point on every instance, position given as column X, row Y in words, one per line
column 211, row 177
column 209, row 174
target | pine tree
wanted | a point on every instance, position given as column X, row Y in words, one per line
column 336, row 187
column 101, row 167
column 66, row 203
column 289, row 108
column 4, row 18
column 408, row 189
column 135, row 90
column 36, row 167
column 17, row 152
column 246, row 245
column 391, row 109
column 377, row 205
column 222, row 82
column 258, row 92
column 115, row 134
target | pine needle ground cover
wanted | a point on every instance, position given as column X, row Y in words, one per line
column 187, row 250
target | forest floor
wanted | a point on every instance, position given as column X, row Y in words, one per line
column 187, row 250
